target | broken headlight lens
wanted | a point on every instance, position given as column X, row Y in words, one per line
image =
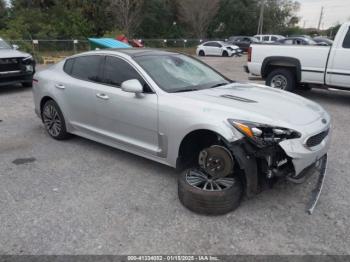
column 263, row 135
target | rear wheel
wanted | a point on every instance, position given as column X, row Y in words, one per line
column 213, row 188
column 54, row 121
column 281, row 79
column 201, row 53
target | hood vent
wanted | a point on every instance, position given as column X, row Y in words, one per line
column 237, row 98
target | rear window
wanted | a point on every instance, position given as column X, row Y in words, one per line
column 87, row 68
column 346, row 43
column 68, row 66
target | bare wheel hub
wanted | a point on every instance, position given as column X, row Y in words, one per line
column 216, row 161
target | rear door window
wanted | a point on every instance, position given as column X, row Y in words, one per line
column 216, row 45
column 87, row 68
column 346, row 43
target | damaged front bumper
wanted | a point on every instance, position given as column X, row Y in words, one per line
column 321, row 168
column 303, row 156
column 290, row 159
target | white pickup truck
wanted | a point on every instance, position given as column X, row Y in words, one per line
column 287, row 66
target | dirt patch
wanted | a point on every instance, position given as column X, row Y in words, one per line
column 22, row 161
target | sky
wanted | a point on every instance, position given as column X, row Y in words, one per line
column 335, row 11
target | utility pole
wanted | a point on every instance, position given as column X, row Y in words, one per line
column 261, row 18
column 321, row 18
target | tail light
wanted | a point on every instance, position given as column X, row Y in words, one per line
column 35, row 81
column 250, row 50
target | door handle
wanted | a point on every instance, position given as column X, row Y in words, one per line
column 59, row 86
column 102, row 96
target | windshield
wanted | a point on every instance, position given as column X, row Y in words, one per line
column 255, row 40
column 4, row 45
column 310, row 41
column 180, row 73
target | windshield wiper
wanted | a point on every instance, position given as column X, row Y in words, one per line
column 185, row 90
column 220, row 84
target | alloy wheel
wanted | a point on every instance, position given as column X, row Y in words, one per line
column 280, row 82
column 52, row 120
column 203, row 181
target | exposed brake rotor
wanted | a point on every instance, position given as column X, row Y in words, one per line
column 216, row 161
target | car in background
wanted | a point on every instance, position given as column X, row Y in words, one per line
column 296, row 40
column 268, row 39
column 321, row 40
column 15, row 66
column 288, row 66
column 218, row 48
column 243, row 42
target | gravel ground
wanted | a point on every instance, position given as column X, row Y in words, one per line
column 80, row 197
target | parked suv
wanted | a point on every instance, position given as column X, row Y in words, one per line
column 15, row 66
column 229, row 137
column 268, row 39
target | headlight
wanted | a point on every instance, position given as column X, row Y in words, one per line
column 263, row 135
column 230, row 48
column 28, row 58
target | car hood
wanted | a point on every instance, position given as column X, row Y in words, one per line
column 257, row 103
column 233, row 46
column 12, row 53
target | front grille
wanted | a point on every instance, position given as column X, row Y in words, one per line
column 317, row 139
column 10, row 64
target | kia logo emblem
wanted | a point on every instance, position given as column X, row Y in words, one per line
column 324, row 121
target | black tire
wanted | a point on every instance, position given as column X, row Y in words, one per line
column 225, row 54
column 286, row 75
column 51, row 107
column 27, row 84
column 201, row 53
column 209, row 202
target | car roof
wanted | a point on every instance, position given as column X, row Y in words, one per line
column 132, row 52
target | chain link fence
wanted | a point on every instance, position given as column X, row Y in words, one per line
column 53, row 50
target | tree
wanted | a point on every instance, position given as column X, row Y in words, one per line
column 160, row 21
column 3, row 12
column 198, row 14
column 127, row 14
column 95, row 12
column 42, row 19
column 280, row 14
column 235, row 17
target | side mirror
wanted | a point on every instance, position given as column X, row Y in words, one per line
column 15, row 47
column 132, row 86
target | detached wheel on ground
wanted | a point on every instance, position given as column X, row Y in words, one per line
column 204, row 195
column 281, row 79
column 213, row 188
column 54, row 121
